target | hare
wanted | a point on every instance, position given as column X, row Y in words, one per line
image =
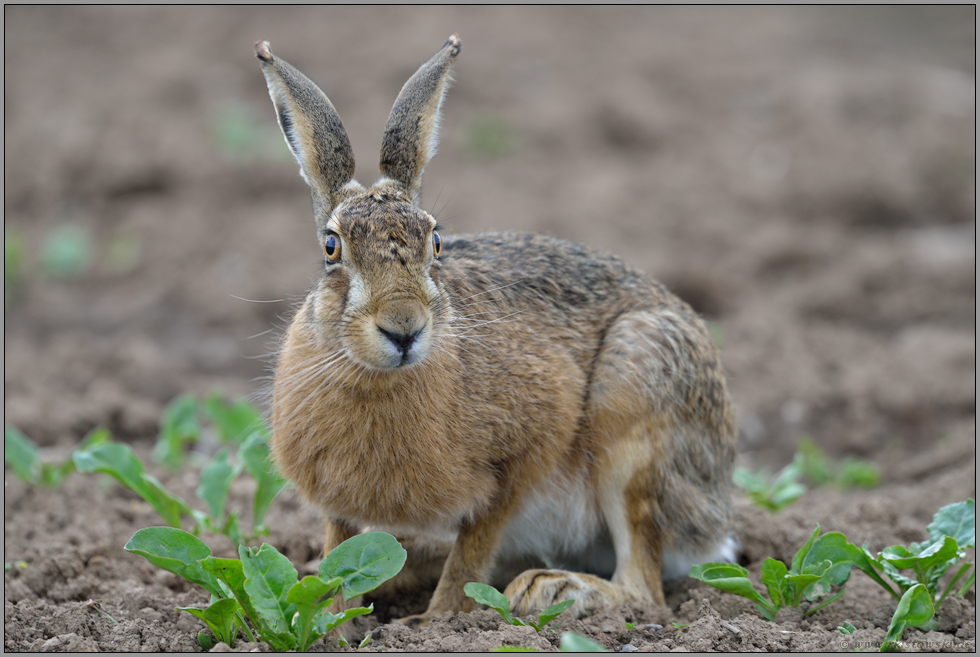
column 503, row 395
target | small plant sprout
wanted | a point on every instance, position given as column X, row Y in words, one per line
column 846, row 628
column 491, row 597
column 821, row 563
column 263, row 591
column 915, row 609
column 952, row 530
column 771, row 494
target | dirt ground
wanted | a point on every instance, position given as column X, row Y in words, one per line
column 804, row 177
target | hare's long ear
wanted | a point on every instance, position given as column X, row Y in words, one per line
column 413, row 125
column 312, row 128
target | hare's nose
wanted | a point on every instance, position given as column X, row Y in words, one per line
column 402, row 341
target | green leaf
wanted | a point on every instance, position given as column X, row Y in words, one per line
column 857, row 473
column 176, row 551
column 178, row 426
column 847, row 628
column 958, row 521
column 326, row 621
column 572, row 642
column 551, row 613
column 20, row 453
column 216, row 480
column 491, row 597
column 364, row 562
column 310, row 595
column 220, row 619
column 255, row 455
column 798, row 558
column 268, row 578
column 813, row 462
column 67, row 251
column 230, row 572
column 731, row 578
column 205, row 641
column 234, row 421
column 941, row 552
column 914, row 609
column 773, row 577
column 118, row 461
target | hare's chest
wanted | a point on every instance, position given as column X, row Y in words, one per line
column 400, row 473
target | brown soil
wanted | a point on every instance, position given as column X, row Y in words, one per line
column 804, row 177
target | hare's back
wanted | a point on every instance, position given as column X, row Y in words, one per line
column 537, row 276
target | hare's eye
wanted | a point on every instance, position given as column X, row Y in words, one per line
column 331, row 248
column 436, row 244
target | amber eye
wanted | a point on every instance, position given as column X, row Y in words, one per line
column 331, row 248
column 436, row 244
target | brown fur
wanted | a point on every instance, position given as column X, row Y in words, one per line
column 451, row 399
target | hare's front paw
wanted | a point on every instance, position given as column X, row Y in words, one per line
column 533, row 591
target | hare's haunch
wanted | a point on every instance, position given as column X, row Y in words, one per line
column 491, row 399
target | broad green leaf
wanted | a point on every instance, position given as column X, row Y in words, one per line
column 178, row 426
column 720, row 569
column 255, row 455
column 958, row 521
column 552, row 612
column 834, row 547
column 220, row 619
column 326, row 621
column 364, row 562
column 216, row 480
column 310, row 595
column 810, row 575
column 491, row 597
column 118, row 461
column 726, row 578
column 20, row 453
column 176, row 551
column 936, row 554
column 795, row 567
column 234, row 421
column 773, row 578
column 268, row 578
column 229, row 571
column 572, row 642
column 914, row 609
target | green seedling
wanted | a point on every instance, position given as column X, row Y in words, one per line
column 178, row 427
column 821, row 563
column 629, row 625
column 572, row 642
column 846, row 628
column 233, row 421
column 813, row 463
column 67, row 251
column 23, row 456
column 775, row 494
column 915, row 609
column 952, row 530
column 681, row 626
column 491, row 597
column 262, row 589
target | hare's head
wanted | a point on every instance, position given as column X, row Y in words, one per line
column 380, row 294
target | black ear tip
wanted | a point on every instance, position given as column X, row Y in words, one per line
column 263, row 51
column 454, row 43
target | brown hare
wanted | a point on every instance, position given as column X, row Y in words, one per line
column 503, row 395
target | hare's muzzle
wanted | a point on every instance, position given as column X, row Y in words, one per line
column 403, row 334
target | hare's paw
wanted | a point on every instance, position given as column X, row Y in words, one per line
column 535, row 590
column 415, row 621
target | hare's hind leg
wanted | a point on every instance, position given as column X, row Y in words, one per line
column 663, row 432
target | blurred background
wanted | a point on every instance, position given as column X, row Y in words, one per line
column 804, row 177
